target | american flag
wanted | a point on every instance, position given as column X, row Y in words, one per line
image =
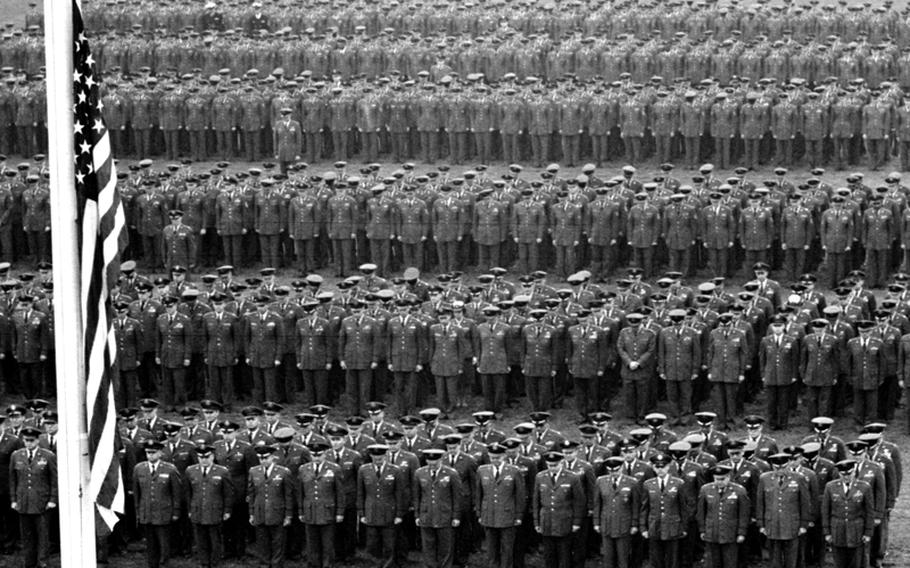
column 102, row 238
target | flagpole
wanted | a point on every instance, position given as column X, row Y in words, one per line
column 77, row 512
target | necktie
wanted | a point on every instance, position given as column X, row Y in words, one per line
column 615, row 483
column 154, row 469
column 31, row 456
column 433, row 475
column 52, row 441
column 205, row 472
column 663, row 484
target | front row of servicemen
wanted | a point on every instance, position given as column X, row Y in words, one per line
column 321, row 489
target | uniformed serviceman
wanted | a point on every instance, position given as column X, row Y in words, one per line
column 320, row 504
column 173, row 351
column 210, row 499
column 866, row 367
column 264, row 336
column 270, row 497
column 383, row 498
column 783, row 510
column 637, row 350
column 778, row 357
column 179, row 242
column 287, row 140
column 847, row 516
column 33, row 495
column 221, row 336
column 158, row 495
column 723, row 514
column 666, row 511
column 726, row 361
column 500, row 501
column 437, row 496
column 558, row 506
column 679, row 361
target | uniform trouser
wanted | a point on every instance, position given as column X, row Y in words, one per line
column 837, row 267
column 458, row 146
column 752, row 149
column 500, row 546
column 865, row 405
column 235, row 530
column 663, row 144
column 783, row 553
column 405, row 390
column 265, row 383
column 904, row 151
column 693, row 150
column 600, row 147
column 783, row 151
column 400, row 150
column 722, row 555
column 429, row 145
column 268, row 250
column 878, row 266
column 633, row 148
column 252, row 145
column 448, row 255
column 358, row 387
column 370, row 141
column 557, row 551
column 586, row 394
column 382, row 544
column 343, row 251
column 528, row 257
column 510, row 150
column 35, row 531
column 346, row 538
column 719, row 261
column 723, row 399
column 795, row 261
column 814, row 152
column 381, row 255
column 320, row 545
column 151, row 248
column 412, row 255
column 819, row 399
column 6, row 243
column 681, row 260
column 663, row 553
column 224, row 139
column 173, row 386
column 316, row 386
column 340, row 144
column 616, row 552
column 877, row 150
column 842, row 155
column 540, row 148
column 38, row 244
column 571, row 149
column 488, row 255
column 313, row 141
column 565, row 260
column 446, row 391
column 438, row 546
column 879, row 543
column 540, row 392
column 233, row 249
column 207, row 539
column 679, row 394
column 305, row 251
column 270, row 541
column 637, row 397
column 848, row 557
column 722, row 151
column 157, row 544
column 494, row 390
column 126, row 387
column 220, row 383
column 171, row 144
column 484, row 143
column 752, row 257
column 643, row 257
column 31, row 379
column 778, row 405
column 25, row 136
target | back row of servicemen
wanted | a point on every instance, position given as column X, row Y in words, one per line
column 451, row 222
column 584, row 57
column 648, row 492
column 595, row 18
column 750, row 122
column 401, row 340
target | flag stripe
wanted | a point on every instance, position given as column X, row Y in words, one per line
column 103, row 236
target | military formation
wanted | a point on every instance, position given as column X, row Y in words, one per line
column 692, row 83
column 323, row 487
